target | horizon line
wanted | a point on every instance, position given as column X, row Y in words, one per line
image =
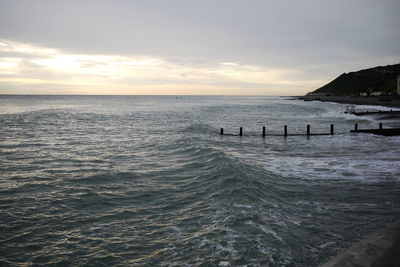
column 21, row 94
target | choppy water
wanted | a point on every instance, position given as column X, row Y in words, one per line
column 148, row 181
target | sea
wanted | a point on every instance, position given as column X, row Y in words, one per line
column 149, row 181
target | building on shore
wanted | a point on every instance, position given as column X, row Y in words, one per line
column 376, row 93
column 372, row 92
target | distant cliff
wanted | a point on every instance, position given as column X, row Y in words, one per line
column 383, row 78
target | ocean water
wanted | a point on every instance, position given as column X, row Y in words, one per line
column 148, row 181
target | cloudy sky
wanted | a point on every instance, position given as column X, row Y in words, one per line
column 223, row 47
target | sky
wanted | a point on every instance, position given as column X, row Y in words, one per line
column 188, row 47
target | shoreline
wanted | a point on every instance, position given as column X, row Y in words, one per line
column 354, row 100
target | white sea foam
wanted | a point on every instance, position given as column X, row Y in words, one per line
column 327, row 244
column 265, row 230
column 362, row 167
column 242, row 206
column 334, row 113
column 337, row 111
column 363, row 108
column 269, row 231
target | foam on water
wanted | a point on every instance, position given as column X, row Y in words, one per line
column 373, row 168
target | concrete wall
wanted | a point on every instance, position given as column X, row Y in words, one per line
column 380, row 249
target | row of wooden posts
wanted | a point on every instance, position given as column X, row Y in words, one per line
column 308, row 133
column 285, row 131
column 379, row 131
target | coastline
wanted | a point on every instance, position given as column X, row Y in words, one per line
column 355, row 100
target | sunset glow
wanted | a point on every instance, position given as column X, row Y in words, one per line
column 41, row 67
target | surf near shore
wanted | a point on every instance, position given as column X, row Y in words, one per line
column 390, row 119
column 356, row 100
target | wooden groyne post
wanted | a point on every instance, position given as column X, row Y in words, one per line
column 263, row 132
column 222, row 131
column 308, row 129
column 241, row 131
column 332, row 129
column 285, row 130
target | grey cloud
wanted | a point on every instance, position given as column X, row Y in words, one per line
column 320, row 37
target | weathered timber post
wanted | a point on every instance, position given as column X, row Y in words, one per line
column 332, row 128
column 308, row 129
column 285, row 130
column 222, row 131
column 241, row 131
column 356, row 127
column 380, row 126
column 263, row 132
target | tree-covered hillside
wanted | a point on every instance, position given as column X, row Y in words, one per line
column 381, row 78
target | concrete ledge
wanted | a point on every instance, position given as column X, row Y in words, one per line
column 380, row 249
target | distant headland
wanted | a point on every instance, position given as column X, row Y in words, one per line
column 374, row 86
column 382, row 80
